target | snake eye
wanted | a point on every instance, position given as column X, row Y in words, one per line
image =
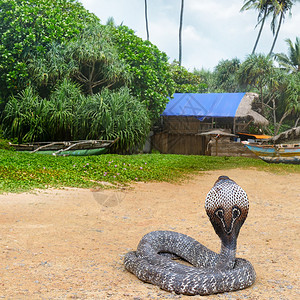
column 219, row 213
column 235, row 213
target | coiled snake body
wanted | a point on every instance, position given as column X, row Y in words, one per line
column 227, row 207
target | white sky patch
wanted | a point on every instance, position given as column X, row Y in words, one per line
column 212, row 30
column 190, row 33
column 221, row 9
column 165, row 35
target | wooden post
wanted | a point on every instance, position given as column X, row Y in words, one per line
column 234, row 125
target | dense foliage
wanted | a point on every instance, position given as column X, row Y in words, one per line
column 91, row 60
column 151, row 77
column 185, row 81
column 278, row 88
column 226, row 76
column 70, row 115
column 254, row 73
column 28, row 28
column 65, row 76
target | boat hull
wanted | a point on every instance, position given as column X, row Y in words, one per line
column 67, row 148
column 289, row 154
column 80, row 152
column 282, row 160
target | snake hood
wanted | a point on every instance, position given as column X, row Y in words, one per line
column 227, row 206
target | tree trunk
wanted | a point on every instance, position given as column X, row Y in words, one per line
column 280, row 122
column 296, row 123
column 146, row 19
column 260, row 30
column 180, row 32
column 274, row 112
column 277, row 32
column 262, row 101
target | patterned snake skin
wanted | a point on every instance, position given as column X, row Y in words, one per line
column 227, row 207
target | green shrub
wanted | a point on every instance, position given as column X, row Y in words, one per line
column 111, row 115
column 26, row 117
column 68, row 115
column 63, row 110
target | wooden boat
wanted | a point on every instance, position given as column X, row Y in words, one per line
column 280, row 153
column 67, row 148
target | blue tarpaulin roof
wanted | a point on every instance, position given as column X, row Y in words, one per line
column 204, row 105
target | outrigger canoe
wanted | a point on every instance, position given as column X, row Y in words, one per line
column 280, row 153
column 67, row 148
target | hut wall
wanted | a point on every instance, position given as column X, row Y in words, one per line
column 189, row 144
column 229, row 148
column 185, row 125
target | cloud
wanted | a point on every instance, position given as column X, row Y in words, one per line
column 221, row 9
column 212, row 30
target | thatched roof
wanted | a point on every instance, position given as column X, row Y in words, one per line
column 291, row 135
column 245, row 110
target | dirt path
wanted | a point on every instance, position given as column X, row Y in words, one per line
column 70, row 244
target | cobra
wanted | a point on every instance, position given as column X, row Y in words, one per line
column 227, row 207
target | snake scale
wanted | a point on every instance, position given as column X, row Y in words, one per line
column 227, row 207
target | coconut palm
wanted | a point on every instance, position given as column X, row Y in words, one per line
column 280, row 8
column 225, row 74
column 180, row 32
column 264, row 8
column 255, row 71
column 146, row 19
column 290, row 62
column 291, row 96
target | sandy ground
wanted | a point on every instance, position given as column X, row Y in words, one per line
column 70, row 244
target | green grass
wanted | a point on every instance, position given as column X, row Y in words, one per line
column 24, row 172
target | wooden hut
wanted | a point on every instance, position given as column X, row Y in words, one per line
column 188, row 115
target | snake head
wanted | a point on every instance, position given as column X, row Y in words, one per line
column 227, row 205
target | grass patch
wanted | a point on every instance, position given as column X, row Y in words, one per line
column 23, row 172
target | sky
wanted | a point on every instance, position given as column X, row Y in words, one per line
column 212, row 30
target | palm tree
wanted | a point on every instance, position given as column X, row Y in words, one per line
column 255, row 71
column 291, row 99
column 281, row 7
column 180, row 32
column 225, row 75
column 146, row 19
column 263, row 7
column 290, row 62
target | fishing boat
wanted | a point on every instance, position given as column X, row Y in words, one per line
column 279, row 153
column 67, row 148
